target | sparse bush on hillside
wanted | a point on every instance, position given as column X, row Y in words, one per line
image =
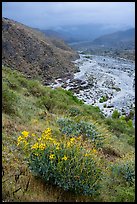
column 124, row 171
column 115, row 114
column 103, row 99
column 123, row 194
column 35, row 88
column 74, row 111
column 9, row 100
column 119, row 126
column 74, row 98
column 57, row 99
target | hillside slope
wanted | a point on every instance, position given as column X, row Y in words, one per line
column 29, row 107
column 30, row 52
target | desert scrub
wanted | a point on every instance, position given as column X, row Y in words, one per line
column 87, row 130
column 124, row 171
column 74, row 111
column 119, row 125
column 9, row 100
column 122, row 179
column 57, row 100
column 64, row 162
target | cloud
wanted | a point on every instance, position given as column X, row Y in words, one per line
column 50, row 14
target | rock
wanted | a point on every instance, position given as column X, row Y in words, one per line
column 110, row 106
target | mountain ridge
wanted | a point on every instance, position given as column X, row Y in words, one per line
column 113, row 39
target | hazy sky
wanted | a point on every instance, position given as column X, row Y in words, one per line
column 49, row 14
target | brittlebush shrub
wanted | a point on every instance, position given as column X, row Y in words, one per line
column 64, row 162
column 87, row 130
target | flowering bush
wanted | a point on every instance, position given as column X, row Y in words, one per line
column 65, row 162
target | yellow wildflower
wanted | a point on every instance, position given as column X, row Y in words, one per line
column 52, row 156
column 47, row 131
column 94, row 151
column 20, row 138
column 56, row 143
column 47, row 135
column 35, row 146
column 72, row 140
column 42, row 146
column 50, row 138
column 64, row 158
column 43, row 136
column 57, row 148
column 68, row 144
column 33, row 135
column 36, row 154
column 25, row 133
column 87, row 155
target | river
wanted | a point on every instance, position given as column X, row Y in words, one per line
column 103, row 77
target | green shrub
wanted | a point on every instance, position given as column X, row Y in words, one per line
column 74, row 98
column 87, row 130
column 115, row 114
column 74, row 111
column 35, row 88
column 124, row 171
column 131, row 141
column 119, row 125
column 46, row 102
column 103, row 99
column 9, row 100
column 124, row 194
column 105, row 105
column 123, row 117
column 130, row 123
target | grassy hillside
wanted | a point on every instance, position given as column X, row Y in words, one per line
column 96, row 154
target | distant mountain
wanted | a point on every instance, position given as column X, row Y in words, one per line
column 36, row 55
column 117, row 39
column 78, row 33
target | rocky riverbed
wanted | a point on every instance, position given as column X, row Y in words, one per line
column 103, row 81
